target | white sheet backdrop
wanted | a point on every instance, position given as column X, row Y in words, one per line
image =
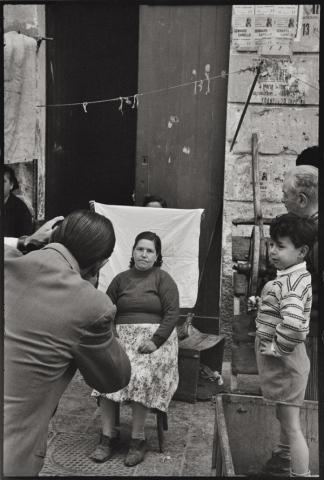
column 179, row 230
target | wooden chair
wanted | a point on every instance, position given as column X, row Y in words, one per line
column 161, row 424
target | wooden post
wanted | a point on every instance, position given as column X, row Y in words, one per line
column 256, row 182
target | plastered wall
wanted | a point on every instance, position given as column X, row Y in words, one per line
column 284, row 114
column 25, row 68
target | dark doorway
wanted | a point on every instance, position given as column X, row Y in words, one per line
column 93, row 56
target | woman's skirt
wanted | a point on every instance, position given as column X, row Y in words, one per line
column 283, row 379
column 154, row 376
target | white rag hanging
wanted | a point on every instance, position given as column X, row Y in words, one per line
column 19, row 97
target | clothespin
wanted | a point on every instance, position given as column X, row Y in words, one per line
column 121, row 105
column 207, row 71
column 223, row 73
column 128, row 101
column 194, row 73
column 135, row 101
column 84, row 105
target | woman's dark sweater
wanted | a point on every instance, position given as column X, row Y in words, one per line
column 149, row 296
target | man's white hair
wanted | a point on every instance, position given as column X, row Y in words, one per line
column 305, row 179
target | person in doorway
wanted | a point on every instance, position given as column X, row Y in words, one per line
column 17, row 219
column 147, row 301
column 300, row 196
column 55, row 322
column 154, row 201
column 309, row 156
column 282, row 326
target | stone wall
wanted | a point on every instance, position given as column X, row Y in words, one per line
column 283, row 112
column 25, row 134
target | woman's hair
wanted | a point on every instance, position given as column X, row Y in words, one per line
column 90, row 237
column 154, row 198
column 300, row 230
column 157, row 243
column 12, row 176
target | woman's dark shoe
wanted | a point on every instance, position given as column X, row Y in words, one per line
column 136, row 452
column 106, row 448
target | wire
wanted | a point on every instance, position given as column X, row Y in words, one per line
column 159, row 90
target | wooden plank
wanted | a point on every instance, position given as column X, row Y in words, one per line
column 249, row 221
column 251, row 421
column 312, row 352
column 200, row 341
column 223, row 439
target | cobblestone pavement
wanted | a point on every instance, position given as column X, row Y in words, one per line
column 75, row 428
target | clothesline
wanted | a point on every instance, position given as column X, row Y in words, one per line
column 196, row 83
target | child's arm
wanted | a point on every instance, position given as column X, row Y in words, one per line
column 295, row 307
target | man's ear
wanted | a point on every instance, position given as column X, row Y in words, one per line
column 304, row 250
column 302, row 200
column 93, row 270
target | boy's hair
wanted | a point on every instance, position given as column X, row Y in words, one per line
column 300, row 230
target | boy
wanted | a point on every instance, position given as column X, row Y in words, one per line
column 282, row 326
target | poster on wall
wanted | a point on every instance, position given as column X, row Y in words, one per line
column 243, row 27
column 280, row 85
column 255, row 26
column 264, row 24
column 308, row 37
column 285, row 21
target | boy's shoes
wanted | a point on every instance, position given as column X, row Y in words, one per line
column 105, row 449
column 277, row 465
column 136, row 452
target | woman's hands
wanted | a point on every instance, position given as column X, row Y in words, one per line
column 147, row 346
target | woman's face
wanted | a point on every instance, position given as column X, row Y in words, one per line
column 144, row 254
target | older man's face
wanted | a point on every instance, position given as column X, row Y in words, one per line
column 289, row 196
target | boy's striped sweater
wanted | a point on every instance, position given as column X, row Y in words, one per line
column 284, row 311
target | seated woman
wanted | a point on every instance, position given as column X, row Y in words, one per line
column 147, row 301
column 17, row 219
